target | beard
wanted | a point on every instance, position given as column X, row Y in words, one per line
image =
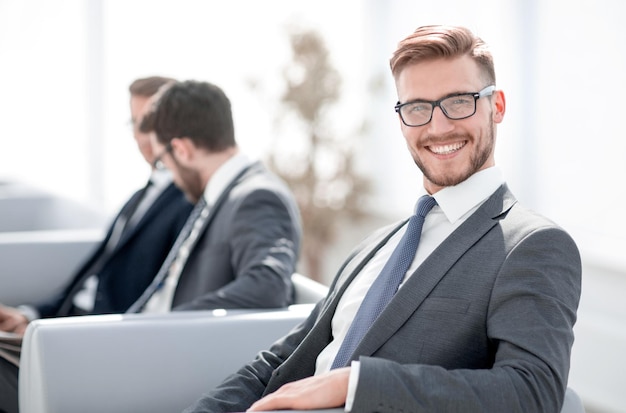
column 189, row 181
column 478, row 158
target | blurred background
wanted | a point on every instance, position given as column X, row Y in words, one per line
column 64, row 118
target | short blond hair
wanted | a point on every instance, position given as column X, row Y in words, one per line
column 436, row 42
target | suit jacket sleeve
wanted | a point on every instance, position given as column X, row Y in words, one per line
column 249, row 264
column 529, row 324
column 238, row 391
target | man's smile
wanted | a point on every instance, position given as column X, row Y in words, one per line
column 446, row 149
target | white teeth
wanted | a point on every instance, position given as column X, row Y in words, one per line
column 446, row 149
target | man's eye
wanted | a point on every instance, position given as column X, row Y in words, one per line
column 419, row 107
column 461, row 100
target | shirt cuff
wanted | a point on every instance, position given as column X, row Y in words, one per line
column 352, row 383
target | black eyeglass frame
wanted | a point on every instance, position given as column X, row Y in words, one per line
column 158, row 161
column 487, row 91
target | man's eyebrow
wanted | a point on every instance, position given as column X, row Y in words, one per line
column 460, row 92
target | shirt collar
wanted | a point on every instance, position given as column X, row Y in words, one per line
column 456, row 201
column 223, row 176
column 160, row 178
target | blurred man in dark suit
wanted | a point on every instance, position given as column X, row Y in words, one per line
column 127, row 259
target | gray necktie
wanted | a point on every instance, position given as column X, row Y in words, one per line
column 386, row 284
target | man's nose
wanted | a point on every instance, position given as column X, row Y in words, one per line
column 440, row 123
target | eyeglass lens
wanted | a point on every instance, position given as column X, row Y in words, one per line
column 454, row 107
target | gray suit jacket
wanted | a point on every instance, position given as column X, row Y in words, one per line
column 248, row 249
column 483, row 325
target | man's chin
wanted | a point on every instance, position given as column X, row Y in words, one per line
column 446, row 179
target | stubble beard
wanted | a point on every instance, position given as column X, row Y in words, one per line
column 477, row 161
column 190, row 183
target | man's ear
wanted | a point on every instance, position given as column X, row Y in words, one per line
column 499, row 104
column 183, row 149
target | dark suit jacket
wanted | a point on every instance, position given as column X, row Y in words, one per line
column 483, row 325
column 136, row 259
column 248, row 249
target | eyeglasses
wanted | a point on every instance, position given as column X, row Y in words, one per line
column 457, row 106
column 158, row 161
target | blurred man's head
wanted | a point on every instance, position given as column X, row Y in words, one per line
column 192, row 132
column 141, row 90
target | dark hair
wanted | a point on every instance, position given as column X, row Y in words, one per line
column 148, row 86
column 196, row 110
column 433, row 42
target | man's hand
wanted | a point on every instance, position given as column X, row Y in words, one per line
column 12, row 321
column 325, row 391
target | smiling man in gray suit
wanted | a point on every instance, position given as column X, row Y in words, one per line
column 483, row 318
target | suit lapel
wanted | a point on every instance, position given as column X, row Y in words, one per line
column 303, row 358
column 150, row 212
column 433, row 269
column 213, row 209
column 354, row 264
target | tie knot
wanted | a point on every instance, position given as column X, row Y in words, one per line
column 425, row 204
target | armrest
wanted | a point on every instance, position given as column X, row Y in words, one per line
column 337, row 410
column 572, row 402
column 139, row 362
column 307, row 291
column 153, row 363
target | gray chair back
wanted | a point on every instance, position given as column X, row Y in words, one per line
column 572, row 403
column 307, row 290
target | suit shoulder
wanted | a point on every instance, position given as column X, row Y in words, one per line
column 522, row 215
column 261, row 182
column 522, row 222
